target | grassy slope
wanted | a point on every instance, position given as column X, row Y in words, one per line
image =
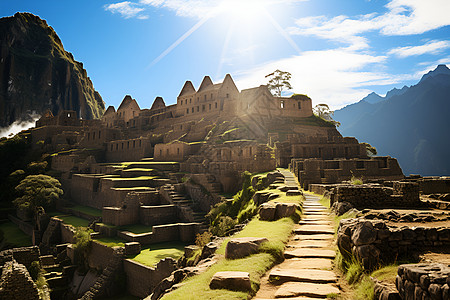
column 14, row 236
column 152, row 254
column 197, row 287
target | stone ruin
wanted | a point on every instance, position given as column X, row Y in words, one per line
column 166, row 166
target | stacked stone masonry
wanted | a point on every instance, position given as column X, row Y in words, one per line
column 372, row 241
column 423, row 281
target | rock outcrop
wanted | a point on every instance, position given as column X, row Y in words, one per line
column 37, row 74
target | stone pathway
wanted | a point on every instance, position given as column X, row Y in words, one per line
column 306, row 272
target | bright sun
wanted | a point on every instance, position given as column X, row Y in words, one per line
column 243, row 10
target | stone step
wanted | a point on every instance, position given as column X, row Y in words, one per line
column 290, row 298
column 310, row 263
column 310, row 253
column 316, row 213
column 314, row 229
column 310, row 244
column 313, row 237
column 302, row 275
column 315, row 222
column 315, row 290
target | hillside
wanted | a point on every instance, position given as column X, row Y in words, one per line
column 37, row 74
column 410, row 124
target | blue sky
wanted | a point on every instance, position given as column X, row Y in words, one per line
column 337, row 51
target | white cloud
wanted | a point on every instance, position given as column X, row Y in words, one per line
column 186, row 8
column 19, row 125
column 335, row 77
column 432, row 47
column 404, row 17
column 126, row 9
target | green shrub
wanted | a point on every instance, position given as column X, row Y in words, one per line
column 37, row 167
column 82, row 247
column 202, row 239
column 35, row 269
column 223, row 225
column 248, row 212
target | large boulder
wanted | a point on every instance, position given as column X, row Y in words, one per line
column 209, row 249
column 235, row 281
column 286, row 209
column 242, row 247
column 267, row 211
column 364, row 233
column 340, row 208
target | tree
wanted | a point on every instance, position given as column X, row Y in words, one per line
column 279, row 81
column 37, row 191
column 323, row 111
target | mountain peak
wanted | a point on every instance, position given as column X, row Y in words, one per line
column 372, row 98
column 440, row 69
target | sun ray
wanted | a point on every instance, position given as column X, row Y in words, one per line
column 179, row 41
column 282, row 31
column 225, row 48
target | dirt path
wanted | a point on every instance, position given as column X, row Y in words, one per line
column 306, row 272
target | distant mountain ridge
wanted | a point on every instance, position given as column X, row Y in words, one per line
column 411, row 123
column 37, row 74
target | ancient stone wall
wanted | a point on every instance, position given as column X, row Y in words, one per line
column 23, row 255
column 84, row 188
column 16, row 283
column 403, row 194
column 100, row 255
column 67, row 232
column 26, row 227
column 423, row 281
column 372, row 241
column 155, row 215
column 129, row 150
column 435, row 185
column 309, row 171
column 184, row 232
column 141, row 279
column 204, row 201
column 172, row 152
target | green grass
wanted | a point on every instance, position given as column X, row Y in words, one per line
column 152, row 254
column 136, row 188
column 111, row 241
column 325, row 201
column 139, row 170
column 14, row 236
column 364, row 290
column 285, row 199
column 386, row 274
column 136, row 228
column 348, row 215
column 133, row 178
column 277, row 232
column 88, row 210
column 73, row 220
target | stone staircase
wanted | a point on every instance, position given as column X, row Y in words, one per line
column 105, row 283
column 307, row 271
column 57, row 276
column 186, row 203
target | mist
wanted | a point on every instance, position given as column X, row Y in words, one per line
column 19, row 125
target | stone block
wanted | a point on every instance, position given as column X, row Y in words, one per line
column 267, row 212
column 235, row 281
column 292, row 192
column 242, row 247
column 364, row 233
column 132, row 248
column 285, row 209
